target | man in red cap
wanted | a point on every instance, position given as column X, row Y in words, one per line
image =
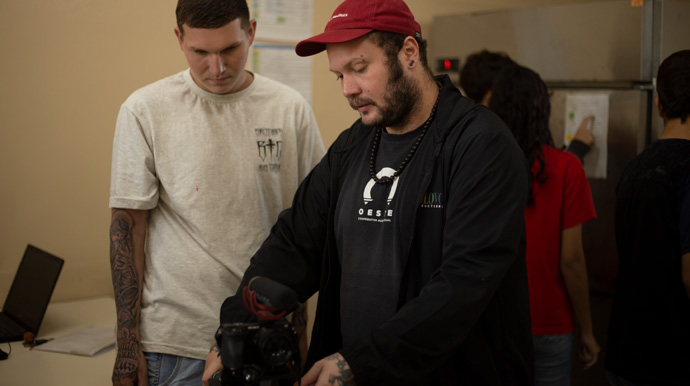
column 411, row 228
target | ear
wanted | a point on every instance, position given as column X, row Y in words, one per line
column 178, row 33
column 251, row 31
column 409, row 53
column 659, row 109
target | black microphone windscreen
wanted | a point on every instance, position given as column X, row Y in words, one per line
column 273, row 293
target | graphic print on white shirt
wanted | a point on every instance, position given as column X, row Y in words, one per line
column 268, row 142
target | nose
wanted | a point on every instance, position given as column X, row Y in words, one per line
column 216, row 65
column 350, row 86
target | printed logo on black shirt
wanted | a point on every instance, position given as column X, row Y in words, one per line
column 377, row 211
column 433, row 200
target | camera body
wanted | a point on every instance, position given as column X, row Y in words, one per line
column 255, row 352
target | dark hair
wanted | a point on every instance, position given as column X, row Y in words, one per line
column 520, row 97
column 480, row 70
column 211, row 13
column 673, row 86
column 391, row 43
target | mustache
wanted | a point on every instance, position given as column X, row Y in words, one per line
column 356, row 102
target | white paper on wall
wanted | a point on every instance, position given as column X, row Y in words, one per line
column 283, row 20
column 280, row 63
column 577, row 107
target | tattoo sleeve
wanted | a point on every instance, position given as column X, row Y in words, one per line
column 344, row 376
column 127, row 288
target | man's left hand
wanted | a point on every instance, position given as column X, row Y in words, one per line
column 332, row 370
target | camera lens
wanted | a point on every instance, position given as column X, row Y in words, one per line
column 275, row 346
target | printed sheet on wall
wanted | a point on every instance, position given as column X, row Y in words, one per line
column 283, row 20
column 281, row 63
column 577, row 107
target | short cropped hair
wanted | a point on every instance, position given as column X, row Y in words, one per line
column 391, row 43
column 480, row 69
column 673, row 86
column 211, row 13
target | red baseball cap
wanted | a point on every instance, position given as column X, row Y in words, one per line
column 356, row 18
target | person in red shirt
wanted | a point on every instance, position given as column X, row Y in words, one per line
column 477, row 77
column 560, row 202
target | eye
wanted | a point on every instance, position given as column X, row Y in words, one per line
column 359, row 70
column 229, row 49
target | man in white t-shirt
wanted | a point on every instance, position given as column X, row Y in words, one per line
column 203, row 163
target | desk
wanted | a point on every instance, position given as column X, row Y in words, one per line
column 38, row 368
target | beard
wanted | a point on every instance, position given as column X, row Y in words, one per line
column 399, row 99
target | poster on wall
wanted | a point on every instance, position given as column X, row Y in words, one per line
column 283, row 20
column 579, row 106
column 279, row 62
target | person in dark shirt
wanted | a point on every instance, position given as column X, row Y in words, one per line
column 411, row 228
column 479, row 72
column 649, row 330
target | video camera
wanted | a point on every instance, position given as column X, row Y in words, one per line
column 264, row 352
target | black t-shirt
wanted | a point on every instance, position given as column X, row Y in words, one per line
column 649, row 332
column 368, row 237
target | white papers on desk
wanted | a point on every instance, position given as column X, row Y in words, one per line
column 89, row 341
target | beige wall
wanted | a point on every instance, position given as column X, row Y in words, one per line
column 66, row 67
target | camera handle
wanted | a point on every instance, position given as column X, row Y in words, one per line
column 215, row 379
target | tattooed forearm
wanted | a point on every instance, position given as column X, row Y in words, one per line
column 127, row 359
column 345, row 377
column 127, row 288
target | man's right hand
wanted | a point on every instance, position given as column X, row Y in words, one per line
column 328, row 371
column 213, row 365
column 130, row 371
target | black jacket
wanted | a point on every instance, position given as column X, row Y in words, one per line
column 463, row 310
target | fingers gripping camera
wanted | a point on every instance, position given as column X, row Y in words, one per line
column 265, row 350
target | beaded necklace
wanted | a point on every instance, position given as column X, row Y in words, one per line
column 375, row 147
